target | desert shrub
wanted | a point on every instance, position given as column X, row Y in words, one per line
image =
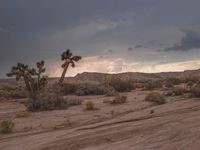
column 47, row 99
column 139, row 85
column 192, row 80
column 73, row 102
column 169, row 84
column 91, row 89
column 195, row 91
column 121, row 85
column 178, row 91
column 175, row 81
column 6, row 126
column 150, row 84
column 169, row 93
column 89, row 106
column 69, row 88
column 13, row 92
column 23, row 114
column 190, row 83
column 155, row 97
column 110, row 91
column 119, row 100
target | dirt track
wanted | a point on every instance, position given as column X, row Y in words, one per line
column 173, row 126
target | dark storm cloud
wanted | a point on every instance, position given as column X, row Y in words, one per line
column 130, row 49
column 31, row 30
column 191, row 40
column 140, row 46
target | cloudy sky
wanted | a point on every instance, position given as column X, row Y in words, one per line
column 112, row 35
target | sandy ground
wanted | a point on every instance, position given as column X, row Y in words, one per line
column 129, row 126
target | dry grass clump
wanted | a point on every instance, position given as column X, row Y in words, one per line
column 156, row 98
column 6, row 126
column 119, row 100
column 90, row 106
column 23, row 114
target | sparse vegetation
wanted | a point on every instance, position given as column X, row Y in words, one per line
column 156, row 98
column 23, row 114
column 40, row 97
column 119, row 100
column 6, row 126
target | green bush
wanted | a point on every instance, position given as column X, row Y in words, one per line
column 6, row 126
column 119, row 100
column 155, row 97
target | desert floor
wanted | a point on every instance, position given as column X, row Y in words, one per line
column 130, row 126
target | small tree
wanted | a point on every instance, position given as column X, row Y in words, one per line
column 68, row 59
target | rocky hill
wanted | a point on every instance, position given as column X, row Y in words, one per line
column 100, row 77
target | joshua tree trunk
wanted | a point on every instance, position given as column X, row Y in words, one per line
column 63, row 74
column 38, row 81
column 27, row 84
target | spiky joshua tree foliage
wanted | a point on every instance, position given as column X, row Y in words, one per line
column 68, row 59
column 32, row 77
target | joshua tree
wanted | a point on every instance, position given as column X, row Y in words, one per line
column 41, row 81
column 22, row 71
column 32, row 78
column 69, row 59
